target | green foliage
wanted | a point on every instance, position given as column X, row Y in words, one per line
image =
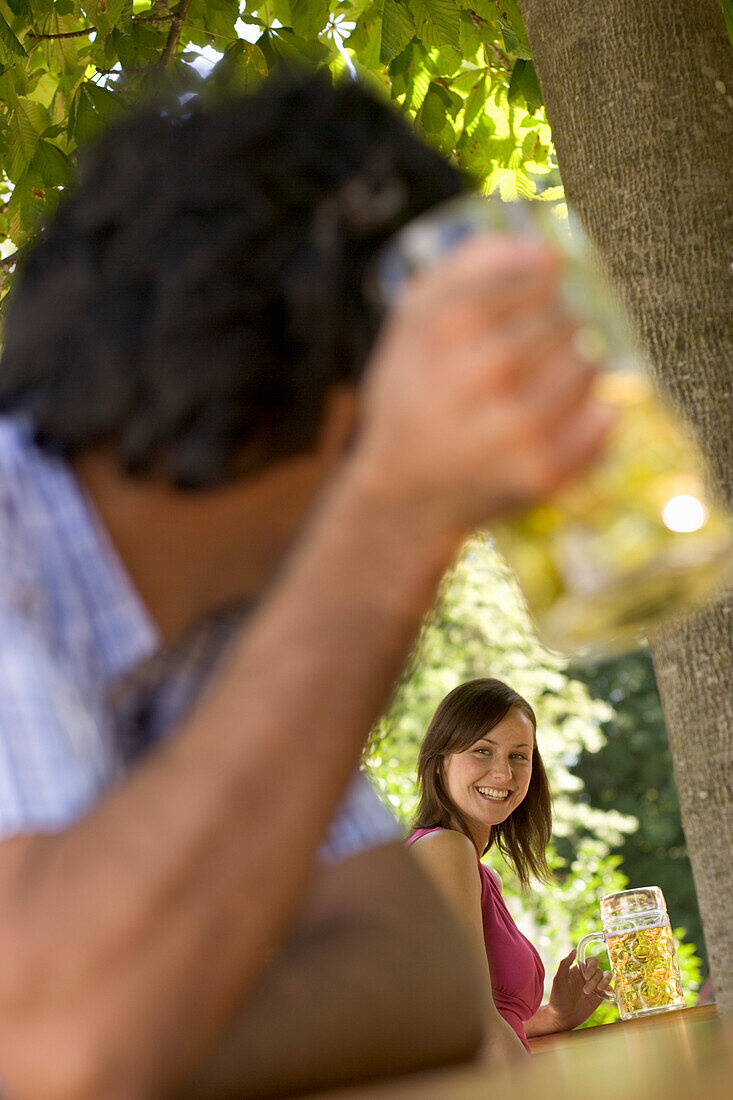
column 513, row 31
column 459, row 69
column 480, row 627
column 10, row 48
column 524, row 85
column 728, row 16
column 398, row 29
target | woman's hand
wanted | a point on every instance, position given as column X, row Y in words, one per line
column 577, row 991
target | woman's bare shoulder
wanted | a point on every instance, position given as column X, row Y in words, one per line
column 445, row 844
column 450, row 859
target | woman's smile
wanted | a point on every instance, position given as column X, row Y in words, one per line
column 493, row 794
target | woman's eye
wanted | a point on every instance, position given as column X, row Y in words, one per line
column 518, row 756
column 484, row 752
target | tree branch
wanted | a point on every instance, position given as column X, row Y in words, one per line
column 154, row 18
column 174, row 33
column 503, row 61
column 7, row 262
column 118, row 72
column 62, row 34
column 480, row 25
column 93, row 30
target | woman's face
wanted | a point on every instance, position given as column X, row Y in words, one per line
column 489, row 780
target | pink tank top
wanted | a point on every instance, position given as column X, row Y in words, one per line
column 517, row 973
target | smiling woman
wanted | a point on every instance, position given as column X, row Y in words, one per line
column 483, row 735
column 482, row 782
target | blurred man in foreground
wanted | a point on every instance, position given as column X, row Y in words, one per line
column 201, row 416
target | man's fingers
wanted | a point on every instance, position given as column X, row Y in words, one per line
column 577, row 440
column 485, row 260
column 541, row 461
column 464, row 314
column 483, row 280
column 515, row 356
column 564, row 384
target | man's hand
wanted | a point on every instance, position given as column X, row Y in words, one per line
column 478, row 401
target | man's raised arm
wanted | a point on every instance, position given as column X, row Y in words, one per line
column 129, row 941
column 373, row 980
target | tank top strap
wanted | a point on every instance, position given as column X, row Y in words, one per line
column 422, row 832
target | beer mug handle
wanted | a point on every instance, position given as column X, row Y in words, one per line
column 592, row 937
column 582, row 952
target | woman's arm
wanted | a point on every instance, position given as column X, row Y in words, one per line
column 449, row 858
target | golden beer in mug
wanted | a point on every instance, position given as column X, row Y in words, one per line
column 637, row 538
column 641, row 949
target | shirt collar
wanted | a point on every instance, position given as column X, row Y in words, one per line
column 79, row 549
column 122, row 623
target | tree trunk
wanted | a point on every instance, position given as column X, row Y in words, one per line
column 640, row 100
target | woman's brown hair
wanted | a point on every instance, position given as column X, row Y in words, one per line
column 466, row 714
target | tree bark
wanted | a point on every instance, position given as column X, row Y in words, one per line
column 640, row 100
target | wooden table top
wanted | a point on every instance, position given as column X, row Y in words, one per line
column 593, row 1034
column 682, row 1055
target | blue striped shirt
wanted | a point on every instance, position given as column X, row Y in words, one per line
column 84, row 685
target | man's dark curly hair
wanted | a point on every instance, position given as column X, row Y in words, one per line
column 201, row 287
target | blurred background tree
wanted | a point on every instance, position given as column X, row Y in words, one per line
column 642, row 123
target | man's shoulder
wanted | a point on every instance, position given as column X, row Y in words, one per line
column 24, row 583
column 362, row 822
column 56, row 753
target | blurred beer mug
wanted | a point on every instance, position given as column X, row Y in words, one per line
column 638, row 936
column 637, row 538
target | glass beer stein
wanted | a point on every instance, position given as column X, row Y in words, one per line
column 617, row 550
column 638, row 936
